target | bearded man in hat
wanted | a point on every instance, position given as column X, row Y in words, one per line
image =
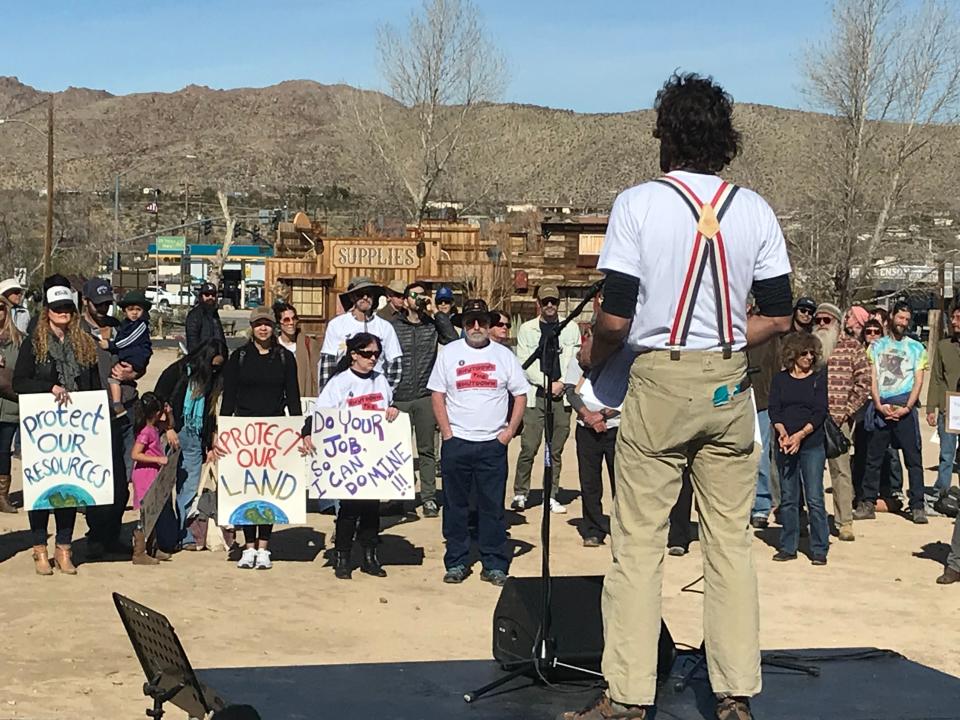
column 359, row 302
column 203, row 320
column 848, row 389
column 396, row 293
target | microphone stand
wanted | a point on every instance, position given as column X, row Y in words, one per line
column 543, row 659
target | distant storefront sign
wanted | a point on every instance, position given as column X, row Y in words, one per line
column 376, row 256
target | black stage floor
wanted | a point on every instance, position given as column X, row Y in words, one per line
column 855, row 684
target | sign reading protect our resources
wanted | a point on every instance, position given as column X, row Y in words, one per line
column 67, row 451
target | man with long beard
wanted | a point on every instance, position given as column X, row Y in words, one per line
column 848, row 388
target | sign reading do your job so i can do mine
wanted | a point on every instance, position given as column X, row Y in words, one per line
column 66, row 450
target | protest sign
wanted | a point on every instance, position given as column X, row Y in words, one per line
column 261, row 476
column 159, row 493
column 67, row 453
column 360, row 456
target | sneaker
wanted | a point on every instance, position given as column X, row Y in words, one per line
column 592, row 542
column 784, row 556
column 759, row 522
column 677, row 551
column 603, row 708
column 557, row 508
column 919, row 516
column 494, row 577
column 866, row 510
column 248, row 560
column 734, row 708
column 263, row 560
column 455, row 575
column 430, row 509
column 519, row 503
column 818, row 560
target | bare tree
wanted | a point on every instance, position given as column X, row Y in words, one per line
column 889, row 77
column 439, row 73
column 215, row 271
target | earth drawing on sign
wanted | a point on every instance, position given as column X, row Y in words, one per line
column 64, row 496
column 258, row 512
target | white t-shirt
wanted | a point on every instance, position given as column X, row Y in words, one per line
column 345, row 326
column 290, row 345
column 478, row 383
column 650, row 236
column 585, row 391
column 349, row 390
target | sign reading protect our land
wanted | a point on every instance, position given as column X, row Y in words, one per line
column 67, row 455
column 261, row 476
column 360, row 456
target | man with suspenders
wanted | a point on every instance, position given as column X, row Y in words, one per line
column 680, row 257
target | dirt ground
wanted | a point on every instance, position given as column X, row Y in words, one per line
column 66, row 653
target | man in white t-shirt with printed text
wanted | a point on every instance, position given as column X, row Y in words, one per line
column 472, row 382
column 681, row 255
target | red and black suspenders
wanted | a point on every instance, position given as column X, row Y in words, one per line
column 708, row 250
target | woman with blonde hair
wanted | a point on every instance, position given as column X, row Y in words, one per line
column 57, row 358
column 10, row 339
column 798, row 409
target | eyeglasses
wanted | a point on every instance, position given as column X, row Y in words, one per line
column 287, row 321
column 208, row 294
column 823, row 320
column 805, row 311
column 549, row 301
column 872, row 331
column 482, row 322
column 807, row 353
column 360, row 294
column 368, row 354
column 502, row 324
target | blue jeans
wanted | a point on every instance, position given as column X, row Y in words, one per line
column 763, row 502
column 948, row 455
column 482, row 466
column 188, row 478
column 806, row 468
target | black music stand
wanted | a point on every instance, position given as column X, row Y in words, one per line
column 543, row 662
column 170, row 677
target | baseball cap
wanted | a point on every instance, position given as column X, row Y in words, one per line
column 98, row 290
column 475, row 309
column 208, row 289
column 10, row 285
column 548, row 291
column 60, row 298
column 807, row 303
column 444, row 293
column 261, row 313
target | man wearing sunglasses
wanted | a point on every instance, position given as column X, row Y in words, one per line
column 544, row 381
column 803, row 314
column 360, row 303
column 419, row 337
column 848, row 389
column 203, row 320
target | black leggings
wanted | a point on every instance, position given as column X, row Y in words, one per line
column 7, row 432
column 65, row 518
column 252, row 533
column 358, row 519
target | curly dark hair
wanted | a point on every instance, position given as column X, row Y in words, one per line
column 797, row 342
column 695, row 125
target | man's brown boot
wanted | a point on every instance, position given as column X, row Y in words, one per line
column 140, row 556
column 603, row 708
column 949, row 576
column 5, row 505
column 846, row 532
column 734, row 708
column 63, row 557
column 41, row 561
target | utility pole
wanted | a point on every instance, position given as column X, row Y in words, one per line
column 48, row 237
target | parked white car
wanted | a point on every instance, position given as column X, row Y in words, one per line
column 164, row 298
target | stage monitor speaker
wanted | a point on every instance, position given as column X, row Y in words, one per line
column 576, row 624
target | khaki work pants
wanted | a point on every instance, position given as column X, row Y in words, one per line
column 669, row 420
column 841, row 480
column 534, row 419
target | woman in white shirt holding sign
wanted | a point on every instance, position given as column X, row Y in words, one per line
column 355, row 384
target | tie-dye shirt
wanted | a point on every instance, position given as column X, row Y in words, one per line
column 896, row 363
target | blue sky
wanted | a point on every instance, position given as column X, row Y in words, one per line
column 599, row 56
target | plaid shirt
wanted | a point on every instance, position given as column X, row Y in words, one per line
column 848, row 378
column 328, row 363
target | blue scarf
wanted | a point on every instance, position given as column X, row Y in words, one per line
column 193, row 407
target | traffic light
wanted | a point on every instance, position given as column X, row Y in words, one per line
column 207, row 227
column 237, row 230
